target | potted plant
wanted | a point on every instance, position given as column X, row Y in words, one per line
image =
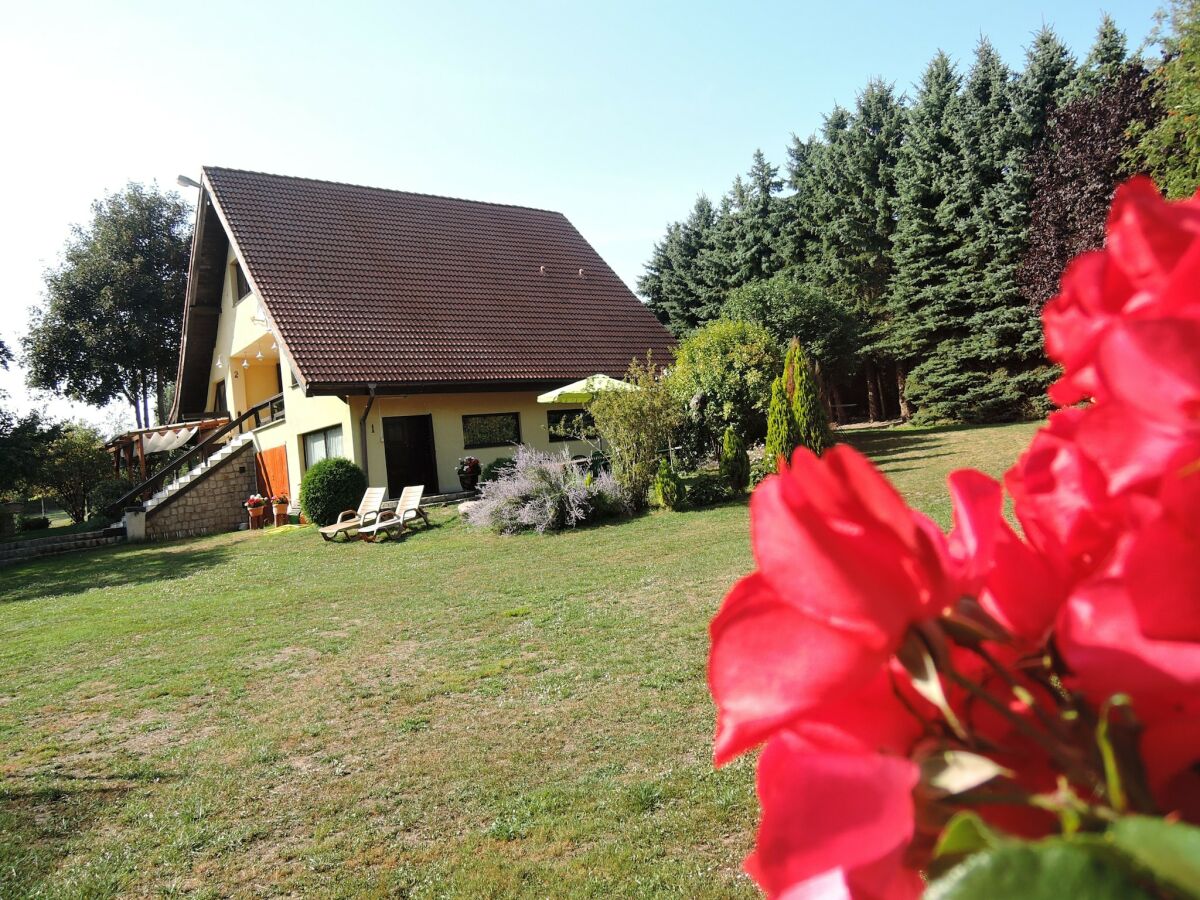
column 256, row 505
column 279, row 505
column 468, row 472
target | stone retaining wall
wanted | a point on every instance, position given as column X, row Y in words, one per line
column 81, row 540
column 210, row 504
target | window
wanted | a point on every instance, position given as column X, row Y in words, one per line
column 319, row 445
column 491, row 430
column 242, row 285
column 570, row 424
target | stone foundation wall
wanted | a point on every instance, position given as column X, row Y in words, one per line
column 211, row 504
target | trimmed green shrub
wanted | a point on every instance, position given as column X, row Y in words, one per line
column 497, row 468
column 735, row 461
column 707, row 489
column 330, row 486
column 34, row 523
column 668, row 490
column 759, row 470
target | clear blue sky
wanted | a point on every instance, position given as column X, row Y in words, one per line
column 616, row 114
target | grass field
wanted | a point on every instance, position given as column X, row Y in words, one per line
column 458, row 714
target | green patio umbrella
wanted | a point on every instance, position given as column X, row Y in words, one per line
column 584, row 390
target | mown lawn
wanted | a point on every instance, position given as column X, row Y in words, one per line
column 458, row 714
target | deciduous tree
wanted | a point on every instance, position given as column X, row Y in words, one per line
column 113, row 308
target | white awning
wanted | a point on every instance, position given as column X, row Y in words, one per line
column 165, row 441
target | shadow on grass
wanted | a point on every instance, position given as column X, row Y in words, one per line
column 73, row 573
column 40, row 825
column 883, row 446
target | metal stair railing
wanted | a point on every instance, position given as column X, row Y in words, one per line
column 270, row 410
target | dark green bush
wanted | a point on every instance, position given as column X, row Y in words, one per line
column 330, row 486
column 667, row 490
column 102, row 498
column 497, row 468
column 34, row 523
column 735, row 461
column 707, row 489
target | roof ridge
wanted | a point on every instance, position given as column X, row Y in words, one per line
column 381, row 190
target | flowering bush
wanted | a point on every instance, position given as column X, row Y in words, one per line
column 280, row 500
column 992, row 707
column 544, row 492
column 255, row 501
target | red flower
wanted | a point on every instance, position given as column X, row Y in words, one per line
column 1146, row 270
column 1012, row 581
column 844, row 568
column 833, row 824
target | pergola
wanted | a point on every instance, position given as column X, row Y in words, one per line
column 129, row 450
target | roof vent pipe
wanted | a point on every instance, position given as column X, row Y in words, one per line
column 362, row 431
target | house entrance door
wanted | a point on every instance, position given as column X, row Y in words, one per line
column 408, row 449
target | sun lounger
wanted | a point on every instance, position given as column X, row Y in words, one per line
column 353, row 520
column 408, row 507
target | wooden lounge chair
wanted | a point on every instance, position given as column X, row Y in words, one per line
column 408, row 507
column 352, row 520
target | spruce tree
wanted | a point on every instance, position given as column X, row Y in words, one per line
column 920, row 302
column 1106, row 61
column 757, row 230
column 675, row 284
column 850, row 190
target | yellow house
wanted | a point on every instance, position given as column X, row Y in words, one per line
column 399, row 330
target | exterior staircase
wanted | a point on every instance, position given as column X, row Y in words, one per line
column 174, row 487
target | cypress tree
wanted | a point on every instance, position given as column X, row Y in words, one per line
column 734, row 462
column 812, row 420
column 782, row 434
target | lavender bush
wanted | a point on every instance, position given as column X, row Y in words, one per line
column 544, row 492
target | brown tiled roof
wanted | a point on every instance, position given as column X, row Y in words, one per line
column 411, row 290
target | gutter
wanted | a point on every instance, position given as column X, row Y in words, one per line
column 362, row 432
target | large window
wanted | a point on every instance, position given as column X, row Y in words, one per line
column 491, row 430
column 570, row 424
column 241, row 284
column 319, row 445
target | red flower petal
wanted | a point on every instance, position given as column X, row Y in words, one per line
column 769, row 662
column 830, row 813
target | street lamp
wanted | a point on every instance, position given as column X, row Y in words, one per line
column 184, row 181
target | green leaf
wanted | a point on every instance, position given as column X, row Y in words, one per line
column 1051, row 870
column 966, row 833
column 1170, row 850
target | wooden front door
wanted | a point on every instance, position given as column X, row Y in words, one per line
column 408, row 449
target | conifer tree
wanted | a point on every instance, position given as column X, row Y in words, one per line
column 757, row 227
column 734, row 462
column 920, row 302
column 782, row 434
column 1170, row 149
column 1106, row 61
column 808, row 409
column 850, row 197
column 676, row 283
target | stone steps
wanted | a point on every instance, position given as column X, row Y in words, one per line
column 19, row 551
column 182, row 481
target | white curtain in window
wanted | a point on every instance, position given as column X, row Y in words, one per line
column 314, row 447
column 333, row 441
